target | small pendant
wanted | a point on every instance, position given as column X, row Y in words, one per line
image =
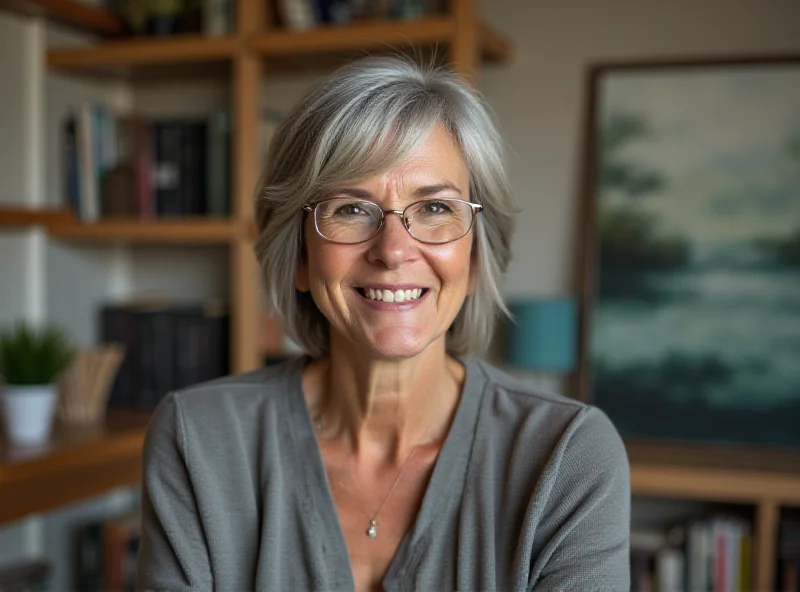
column 372, row 531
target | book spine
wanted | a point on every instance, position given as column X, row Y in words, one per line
column 218, row 163
column 70, row 166
column 89, row 210
column 168, row 141
column 117, row 326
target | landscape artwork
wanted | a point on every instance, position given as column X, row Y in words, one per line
column 695, row 326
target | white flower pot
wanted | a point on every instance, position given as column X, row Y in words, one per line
column 28, row 413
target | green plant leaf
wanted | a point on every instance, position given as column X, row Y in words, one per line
column 33, row 356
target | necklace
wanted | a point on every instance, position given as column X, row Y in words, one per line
column 372, row 530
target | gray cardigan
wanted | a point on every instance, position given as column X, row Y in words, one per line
column 530, row 492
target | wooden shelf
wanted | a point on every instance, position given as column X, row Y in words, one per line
column 21, row 217
column 78, row 15
column 322, row 47
column 193, row 231
column 77, row 463
column 148, row 57
column 378, row 35
column 715, row 484
column 494, row 46
column 331, row 45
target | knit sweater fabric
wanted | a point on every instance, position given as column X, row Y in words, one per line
column 530, row 491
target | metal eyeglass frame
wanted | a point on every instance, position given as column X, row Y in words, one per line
column 476, row 209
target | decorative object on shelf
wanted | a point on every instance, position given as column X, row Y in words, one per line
column 542, row 335
column 691, row 262
column 85, row 385
column 31, row 361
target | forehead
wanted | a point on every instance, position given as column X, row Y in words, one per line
column 435, row 160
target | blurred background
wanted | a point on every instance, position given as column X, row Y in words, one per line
column 132, row 134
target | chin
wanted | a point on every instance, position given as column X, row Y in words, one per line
column 397, row 347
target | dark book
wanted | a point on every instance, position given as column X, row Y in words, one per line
column 89, row 557
column 118, row 325
column 193, row 163
column 168, row 139
column 156, row 354
column 28, row 576
column 218, row 165
column 70, row 169
column 168, row 346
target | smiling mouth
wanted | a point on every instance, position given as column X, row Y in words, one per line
column 392, row 296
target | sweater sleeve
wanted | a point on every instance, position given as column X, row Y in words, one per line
column 172, row 553
column 587, row 512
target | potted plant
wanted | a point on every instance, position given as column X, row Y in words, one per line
column 31, row 360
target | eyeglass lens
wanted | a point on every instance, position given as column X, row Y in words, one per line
column 348, row 220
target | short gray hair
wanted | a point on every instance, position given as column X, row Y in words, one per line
column 365, row 119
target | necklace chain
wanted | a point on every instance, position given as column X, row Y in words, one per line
column 372, row 531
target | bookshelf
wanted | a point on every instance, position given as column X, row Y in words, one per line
column 241, row 58
column 188, row 231
column 21, row 217
column 78, row 15
column 77, row 463
column 146, row 57
column 83, row 463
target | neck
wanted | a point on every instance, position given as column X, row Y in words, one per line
column 385, row 406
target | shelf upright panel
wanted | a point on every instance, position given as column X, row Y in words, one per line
column 247, row 70
column 465, row 46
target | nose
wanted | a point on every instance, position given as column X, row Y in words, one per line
column 393, row 245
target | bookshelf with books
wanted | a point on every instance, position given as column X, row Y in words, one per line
column 244, row 51
column 262, row 34
column 108, row 205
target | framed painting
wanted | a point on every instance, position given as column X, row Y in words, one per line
column 690, row 267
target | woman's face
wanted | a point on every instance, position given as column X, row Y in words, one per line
column 343, row 278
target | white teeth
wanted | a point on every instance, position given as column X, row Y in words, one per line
column 396, row 296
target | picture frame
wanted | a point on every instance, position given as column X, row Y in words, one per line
column 688, row 265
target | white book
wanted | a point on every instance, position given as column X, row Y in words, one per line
column 87, row 165
column 670, row 568
column 697, row 556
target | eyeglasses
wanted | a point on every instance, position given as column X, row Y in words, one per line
column 349, row 220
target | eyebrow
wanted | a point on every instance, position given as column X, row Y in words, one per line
column 424, row 191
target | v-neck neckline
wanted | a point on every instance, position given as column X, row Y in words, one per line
column 449, row 470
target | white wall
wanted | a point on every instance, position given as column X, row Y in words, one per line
column 21, row 294
column 539, row 97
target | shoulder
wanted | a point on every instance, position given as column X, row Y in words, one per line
column 515, row 398
column 233, row 404
column 571, row 428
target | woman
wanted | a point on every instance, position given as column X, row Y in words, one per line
column 388, row 457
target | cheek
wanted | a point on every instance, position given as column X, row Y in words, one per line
column 454, row 263
column 328, row 265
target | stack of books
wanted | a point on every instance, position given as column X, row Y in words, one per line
column 105, row 554
column 135, row 166
column 789, row 553
column 713, row 554
column 167, row 346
